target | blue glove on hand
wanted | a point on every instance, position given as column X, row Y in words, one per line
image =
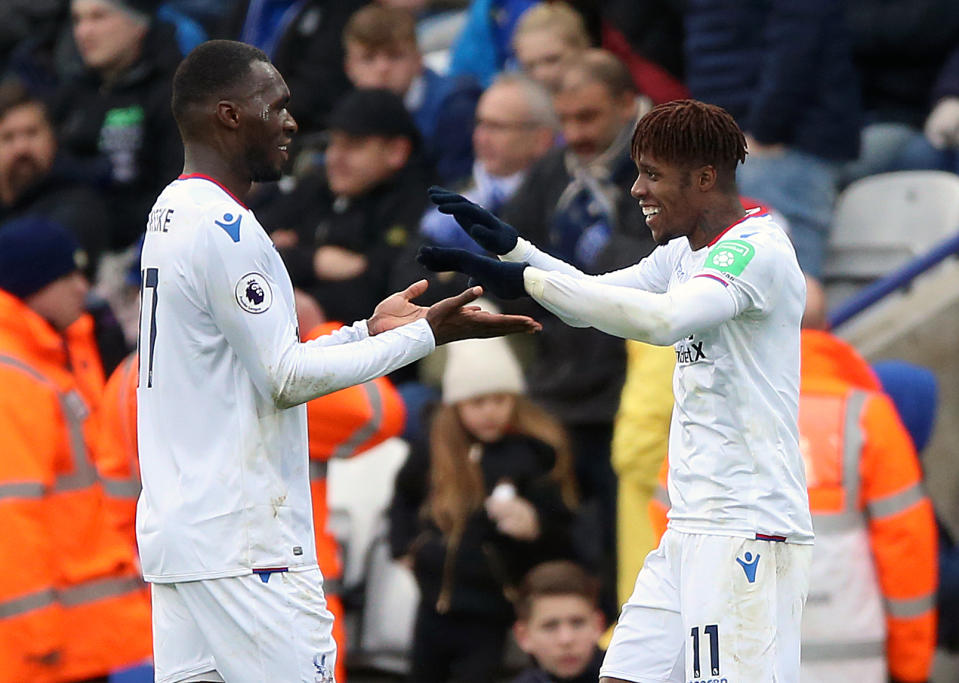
column 486, row 229
column 500, row 278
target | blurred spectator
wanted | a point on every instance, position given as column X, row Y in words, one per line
column 575, row 202
column 74, row 607
column 340, row 230
column 547, row 38
column 515, row 127
column 558, row 624
column 900, row 50
column 915, row 392
column 116, row 117
column 34, row 181
column 484, row 45
column 303, row 40
column 870, row 615
column 381, row 52
column 488, row 498
column 648, row 36
column 784, row 71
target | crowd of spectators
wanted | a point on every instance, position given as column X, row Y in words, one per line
column 528, row 111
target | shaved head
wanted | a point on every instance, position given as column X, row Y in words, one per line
column 214, row 70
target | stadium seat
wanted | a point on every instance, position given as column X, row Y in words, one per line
column 359, row 491
column 884, row 221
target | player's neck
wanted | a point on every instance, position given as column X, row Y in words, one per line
column 715, row 220
column 208, row 163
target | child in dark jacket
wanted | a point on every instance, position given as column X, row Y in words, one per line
column 490, row 497
column 558, row 624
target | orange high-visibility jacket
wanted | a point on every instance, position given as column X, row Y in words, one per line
column 72, row 605
column 874, row 571
column 341, row 424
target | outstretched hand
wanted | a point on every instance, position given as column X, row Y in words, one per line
column 487, row 230
column 450, row 319
column 504, row 279
column 398, row 309
column 453, row 319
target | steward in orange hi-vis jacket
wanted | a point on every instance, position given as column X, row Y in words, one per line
column 870, row 615
column 72, row 605
column 342, row 424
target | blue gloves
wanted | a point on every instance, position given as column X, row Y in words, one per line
column 502, row 279
column 487, row 230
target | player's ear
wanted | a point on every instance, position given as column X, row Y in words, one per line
column 228, row 113
column 705, row 177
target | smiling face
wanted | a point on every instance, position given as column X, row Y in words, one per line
column 267, row 127
column 670, row 196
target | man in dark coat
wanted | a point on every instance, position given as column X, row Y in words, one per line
column 115, row 119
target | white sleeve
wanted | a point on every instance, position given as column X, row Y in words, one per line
column 650, row 274
column 343, row 335
column 661, row 319
column 265, row 341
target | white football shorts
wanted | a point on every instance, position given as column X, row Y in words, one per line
column 713, row 609
column 244, row 629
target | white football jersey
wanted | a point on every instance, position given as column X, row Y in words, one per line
column 222, row 379
column 734, row 461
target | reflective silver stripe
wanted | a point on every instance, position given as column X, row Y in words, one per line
column 318, row 469
column 367, row 430
column 835, row 523
column 888, row 506
column 817, row 652
column 122, row 488
column 906, row 609
column 91, row 591
column 84, row 475
column 75, row 411
column 20, row 365
column 851, row 449
column 24, row 489
column 27, row 603
column 661, row 495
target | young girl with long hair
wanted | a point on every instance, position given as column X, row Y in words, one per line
column 489, row 497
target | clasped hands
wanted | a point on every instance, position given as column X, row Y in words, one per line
column 502, row 278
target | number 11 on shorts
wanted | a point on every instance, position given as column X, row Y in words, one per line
column 712, row 630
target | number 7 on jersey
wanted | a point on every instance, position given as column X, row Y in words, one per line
column 149, row 276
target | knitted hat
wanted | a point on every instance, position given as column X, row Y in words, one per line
column 373, row 111
column 476, row 367
column 35, row 251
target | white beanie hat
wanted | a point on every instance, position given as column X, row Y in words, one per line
column 476, row 367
